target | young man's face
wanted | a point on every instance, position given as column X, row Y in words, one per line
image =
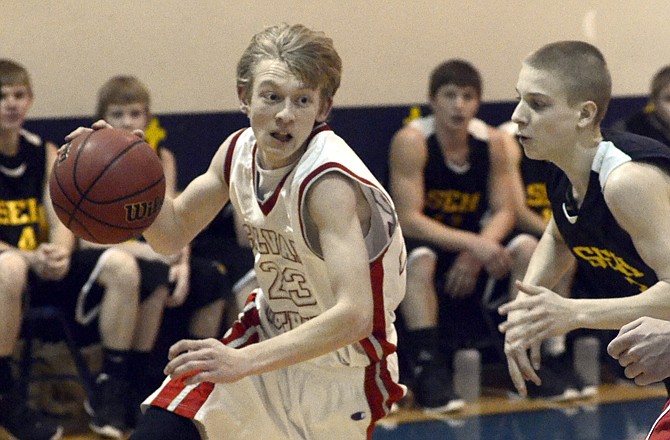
column 662, row 105
column 454, row 106
column 547, row 124
column 282, row 112
column 15, row 101
column 133, row 116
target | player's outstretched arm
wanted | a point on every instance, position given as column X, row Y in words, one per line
column 501, row 206
column 501, row 202
column 550, row 259
column 183, row 217
column 54, row 255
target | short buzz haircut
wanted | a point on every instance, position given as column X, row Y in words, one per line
column 14, row 74
column 455, row 71
column 309, row 55
column 582, row 70
column 122, row 89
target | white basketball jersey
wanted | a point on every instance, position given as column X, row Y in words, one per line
column 338, row 395
column 291, row 272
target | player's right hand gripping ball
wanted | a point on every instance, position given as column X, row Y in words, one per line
column 107, row 186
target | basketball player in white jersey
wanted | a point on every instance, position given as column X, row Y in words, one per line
column 313, row 353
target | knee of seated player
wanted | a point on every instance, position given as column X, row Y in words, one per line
column 158, row 297
column 421, row 263
column 120, row 272
column 521, row 248
column 13, row 276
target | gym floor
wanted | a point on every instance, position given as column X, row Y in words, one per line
column 617, row 412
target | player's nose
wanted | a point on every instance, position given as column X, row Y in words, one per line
column 286, row 113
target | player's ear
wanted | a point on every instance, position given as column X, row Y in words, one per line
column 326, row 107
column 244, row 99
column 30, row 101
column 587, row 113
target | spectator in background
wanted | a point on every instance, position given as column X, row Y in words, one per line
column 445, row 181
column 97, row 289
column 193, row 288
column 654, row 119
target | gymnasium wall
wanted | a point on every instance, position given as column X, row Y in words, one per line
column 186, row 51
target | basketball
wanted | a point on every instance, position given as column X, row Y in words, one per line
column 107, row 186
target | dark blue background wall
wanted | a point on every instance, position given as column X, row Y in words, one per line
column 195, row 137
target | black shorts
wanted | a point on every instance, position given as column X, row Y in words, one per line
column 78, row 294
column 208, row 281
column 234, row 260
column 160, row 424
column 152, row 275
column 461, row 320
column 444, row 261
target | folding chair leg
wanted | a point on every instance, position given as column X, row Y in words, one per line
column 84, row 376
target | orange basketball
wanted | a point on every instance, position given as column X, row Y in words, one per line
column 107, row 185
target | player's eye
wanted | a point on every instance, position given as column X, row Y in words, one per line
column 537, row 104
column 449, row 95
column 468, row 96
column 270, row 96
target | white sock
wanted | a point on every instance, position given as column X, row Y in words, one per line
column 555, row 345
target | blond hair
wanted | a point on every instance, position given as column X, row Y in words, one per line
column 309, row 55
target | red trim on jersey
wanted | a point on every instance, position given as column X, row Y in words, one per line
column 248, row 320
column 190, row 404
column 266, row 206
column 318, row 129
column 229, row 157
column 378, row 370
column 195, row 399
column 312, row 176
column 661, row 428
column 379, row 407
column 379, row 316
